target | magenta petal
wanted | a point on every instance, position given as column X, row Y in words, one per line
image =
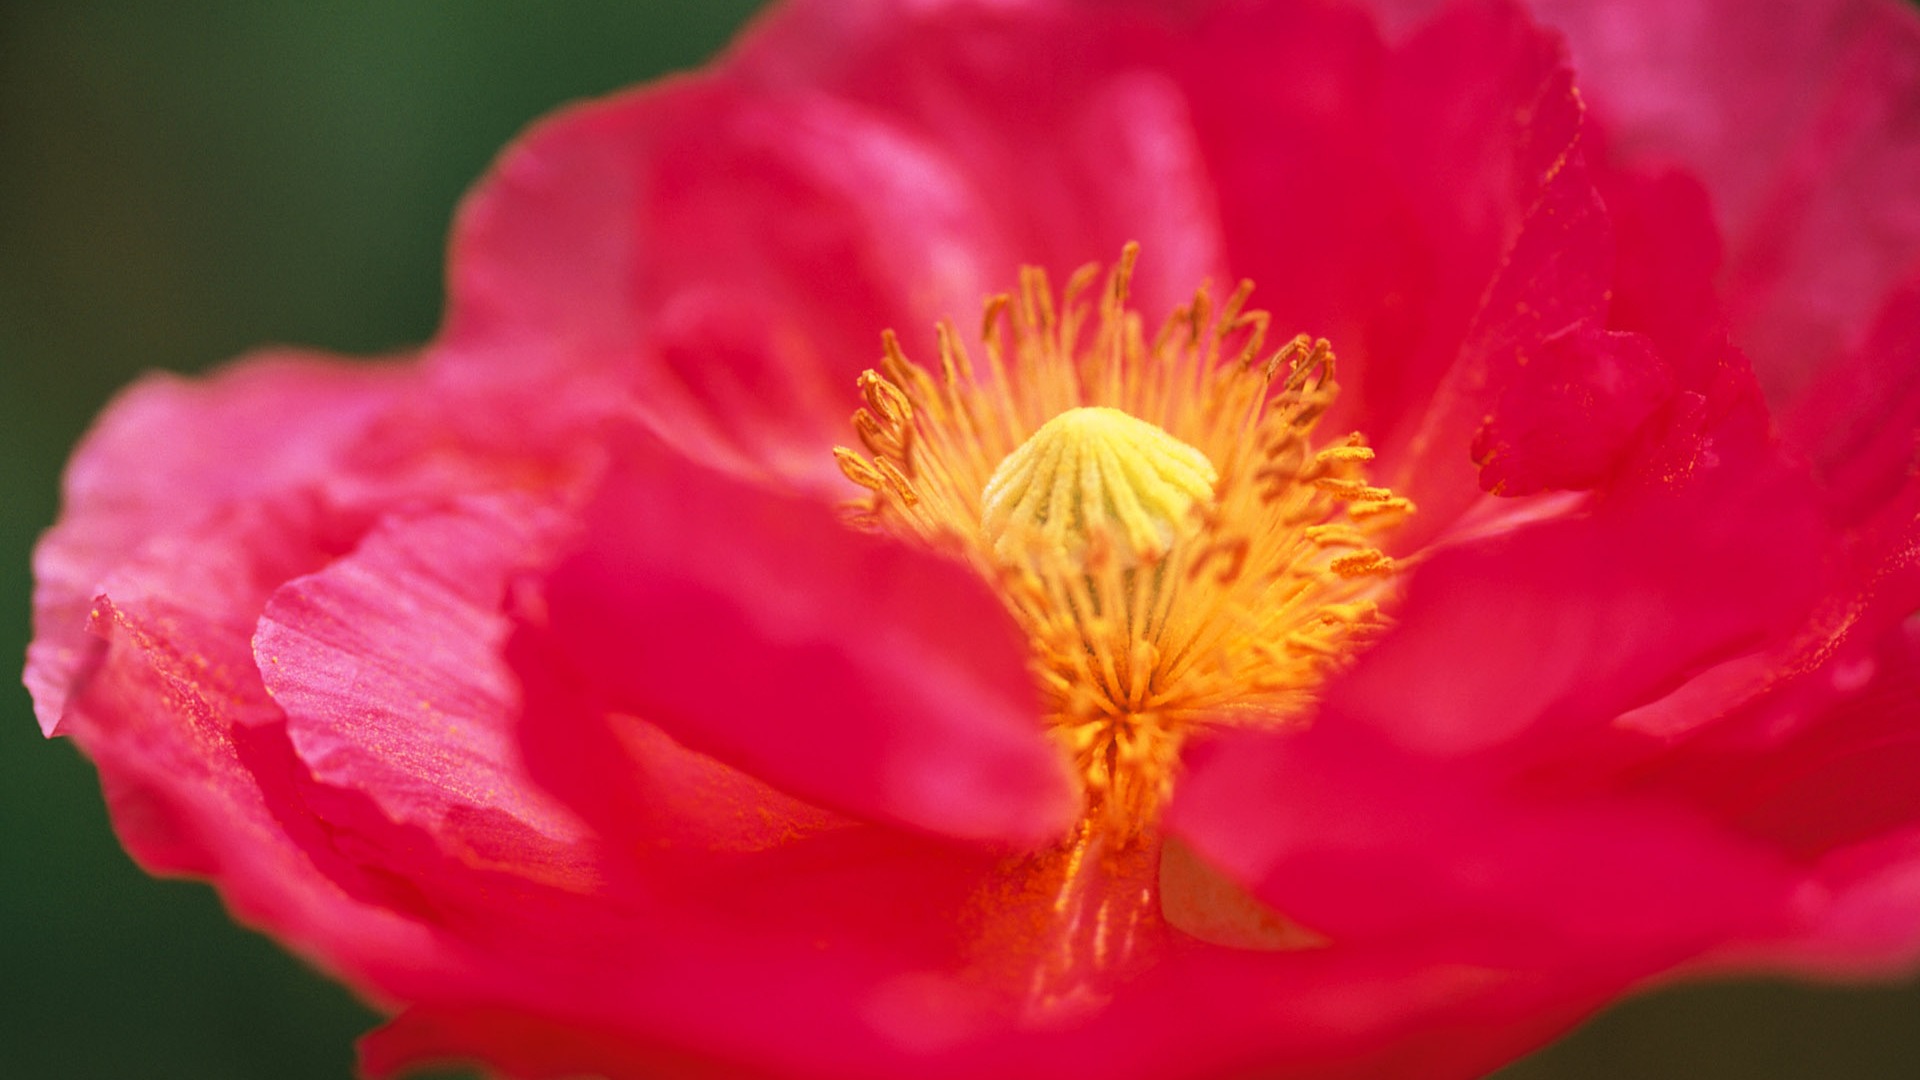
column 1363, row 841
column 194, row 758
column 387, row 665
column 1783, row 745
column 849, row 670
column 1860, row 427
column 638, row 788
column 1572, row 622
column 1805, row 126
column 1484, row 134
column 1566, row 418
column 1525, row 253
column 699, row 249
column 1859, row 918
column 1445, row 795
column 1204, row 1017
column 721, row 253
column 1842, row 781
column 1309, row 207
column 168, row 454
column 1381, row 193
column 1667, row 269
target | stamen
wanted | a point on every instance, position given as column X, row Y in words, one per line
column 1153, row 509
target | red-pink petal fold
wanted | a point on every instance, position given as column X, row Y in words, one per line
column 387, row 665
column 166, row 455
column 1859, row 427
column 1566, row 417
column 194, row 757
column 1799, row 749
column 1447, row 768
column 191, row 504
column 721, row 253
column 853, row 671
column 1423, row 205
column 1805, row 126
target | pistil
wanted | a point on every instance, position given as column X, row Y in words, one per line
column 1154, row 511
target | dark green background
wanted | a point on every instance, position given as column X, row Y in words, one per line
column 181, row 181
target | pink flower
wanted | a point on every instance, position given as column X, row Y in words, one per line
column 1101, row 707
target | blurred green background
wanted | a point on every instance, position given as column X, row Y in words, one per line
column 182, row 181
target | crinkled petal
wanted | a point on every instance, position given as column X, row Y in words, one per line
column 1439, row 800
column 1423, row 205
column 191, row 504
column 852, row 671
column 1802, row 749
column 723, row 251
column 168, row 454
column 195, row 762
column 1552, row 287
column 1805, row 126
column 387, row 665
column 1566, row 417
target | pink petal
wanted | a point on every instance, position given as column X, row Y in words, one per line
column 1309, row 204
column 387, row 665
column 1575, row 621
column 1552, row 285
column 1806, row 128
column 1423, row 206
column 1201, row 1012
column 190, row 505
column 851, row 671
column 194, row 760
column 1359, row 840
column 728, row 247
column 1447, row 766
column 806, row 936
column 1667, row 268
column 636, row 786
column 1568, row 415
column 1484, row 131
column 167, row 455
column 1806, row 751
column 1331, row 1025
column 1860, row 426
column 1859, row 914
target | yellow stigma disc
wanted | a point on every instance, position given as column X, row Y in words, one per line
column 1095, row 475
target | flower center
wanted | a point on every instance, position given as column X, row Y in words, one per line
column 1095, row 475
column 1154, row 511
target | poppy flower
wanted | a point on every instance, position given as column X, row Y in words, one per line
column 1031, row 539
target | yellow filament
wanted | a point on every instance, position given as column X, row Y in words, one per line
column 1154, row 511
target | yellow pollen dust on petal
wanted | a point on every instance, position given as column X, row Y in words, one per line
column 1154, row 509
